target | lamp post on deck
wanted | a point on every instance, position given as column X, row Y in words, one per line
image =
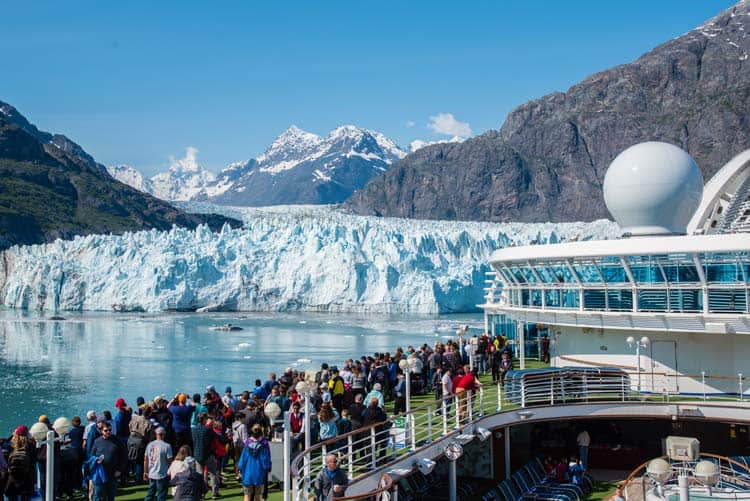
column 44, row 436
column 407, row 365
column 453, row 451
column 306, row 388
column 642, row 343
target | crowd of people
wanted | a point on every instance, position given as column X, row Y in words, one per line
column 187, row 441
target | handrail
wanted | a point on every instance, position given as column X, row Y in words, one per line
column 707, row 454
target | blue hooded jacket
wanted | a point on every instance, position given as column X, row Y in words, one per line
column 255, row 462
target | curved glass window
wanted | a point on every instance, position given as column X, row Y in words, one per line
column 520, row 278
column 647, row 273
column 553, row 298
column 588, row 273
column 681, row 273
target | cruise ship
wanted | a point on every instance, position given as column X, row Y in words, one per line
column 648, row 349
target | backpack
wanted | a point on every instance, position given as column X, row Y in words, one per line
column 135, row 447
column 18, row 463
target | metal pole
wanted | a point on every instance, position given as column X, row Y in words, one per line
column 308, row 438
column 703, row 383
column 452, row 480
column 507, row 452
column 350, row 454
column 684, row 484
column 741, row 392
column 445, row 415
column 638, row 363
column 522, row 344
column 287, row 454
column 49, row 490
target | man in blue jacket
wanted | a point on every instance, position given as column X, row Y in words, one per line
column 255, row 464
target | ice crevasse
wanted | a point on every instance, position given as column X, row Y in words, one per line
column 279, row 261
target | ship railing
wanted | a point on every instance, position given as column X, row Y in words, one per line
column 733, row 477
column 371, row 448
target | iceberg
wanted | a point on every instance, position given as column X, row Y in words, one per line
column 283, row 259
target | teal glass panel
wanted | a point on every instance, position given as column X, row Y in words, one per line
column 593, row 299
column 647, row 273
column 561, row 274
column 520, row 278
column 588, row 273
column 723, row 273
column 620, row 299
column 652, row 300
column 536, row 297
column 570, row 298
column 528, row 275
column 727, row 300
column 686, row 300
column 553, row 298
column 525, row 297
column 681, row 273
column 614, row 275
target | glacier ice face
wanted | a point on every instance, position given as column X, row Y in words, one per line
column 285, row 258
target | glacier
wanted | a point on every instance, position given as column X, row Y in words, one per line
column 283, row 259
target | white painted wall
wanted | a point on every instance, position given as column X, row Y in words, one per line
column 722, row 356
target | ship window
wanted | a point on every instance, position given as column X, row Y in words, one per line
column 727, row 300
column 614, row 275
column 594, row 299
column 723, row 273
column 686, row 300
column 553, row 298
column 570, row 298
column 528, row 275
column 588, row 273
column 536, row 297
column 647, row 273
column 520, row 278
column 652, row 300
column 525, row 297
column 620, row 299
column 546, row 274
column 681, row 273
column 562, row 274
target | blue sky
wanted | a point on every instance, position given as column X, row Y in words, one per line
column 138, row 82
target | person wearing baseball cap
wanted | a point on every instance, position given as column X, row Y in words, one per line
column 121, row 421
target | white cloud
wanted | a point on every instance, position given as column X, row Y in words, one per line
column 410, row 123
column 188, row 163
column 418, row 144
column 446, row 123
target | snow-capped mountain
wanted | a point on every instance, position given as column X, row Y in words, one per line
column 131, row 176
column 303, row 168
column 297, row 168
column 185, row 180
column 283, row 259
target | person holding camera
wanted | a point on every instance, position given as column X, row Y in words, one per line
column 331, row 482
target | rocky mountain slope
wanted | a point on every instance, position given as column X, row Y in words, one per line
column 548, row 160
column 51, row 188
column 298, row 168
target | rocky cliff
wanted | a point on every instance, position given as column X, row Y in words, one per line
column 548, row 160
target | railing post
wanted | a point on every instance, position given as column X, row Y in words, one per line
column 287, row 442
column 458, row 412
column 429, row 424
column 481, row 401
column 622, row 383
column 703, row 383
column 586, row 387
column 410, row 419
column 499, row 397
column 350, row 454
column 523, row 391
column 741, row 396
column 445, row 416
column 374, row 459
column 323, row 456
column 552, row 390
column 469, row 406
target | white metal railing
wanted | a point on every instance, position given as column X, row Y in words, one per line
column 370, row 448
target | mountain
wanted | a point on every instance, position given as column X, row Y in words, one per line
column 297, row 168
column 280, row 260
column 547, row 162
column 51, row 188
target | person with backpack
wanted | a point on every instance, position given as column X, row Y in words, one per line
column 337, row 389
column 255, row 464
column 21, row 474
column 239, row 436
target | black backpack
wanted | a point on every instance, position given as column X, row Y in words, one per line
column 18, row 463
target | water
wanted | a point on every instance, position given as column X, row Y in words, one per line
column 89, row 360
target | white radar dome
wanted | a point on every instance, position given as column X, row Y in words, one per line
column 653, row 188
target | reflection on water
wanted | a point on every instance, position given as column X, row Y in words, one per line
column 88, row 360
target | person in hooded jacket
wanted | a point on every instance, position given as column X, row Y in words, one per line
column 255, row 464
column 189, row 484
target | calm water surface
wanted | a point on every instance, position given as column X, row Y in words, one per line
column 88, row 360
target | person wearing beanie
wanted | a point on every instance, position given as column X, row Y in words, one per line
column 182, row 414
column 21, row 466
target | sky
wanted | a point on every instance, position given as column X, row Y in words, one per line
column 140, row 83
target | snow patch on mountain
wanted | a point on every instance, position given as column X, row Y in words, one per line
column 285, row 258
column 185, row 179
column 131, row 176
column 418, row 144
